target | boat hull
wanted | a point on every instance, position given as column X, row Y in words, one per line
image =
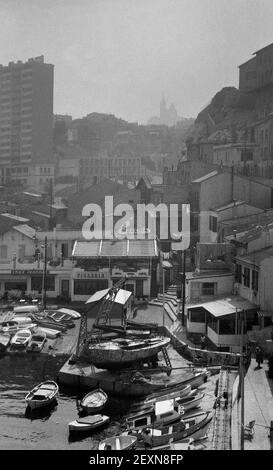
column 201, row 424
column 94, row 401
column 104, row 356
column 118, row 443
column 78, row 426
column 155, row 390
column 50, row 389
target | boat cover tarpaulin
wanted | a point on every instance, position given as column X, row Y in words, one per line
column 121, row 297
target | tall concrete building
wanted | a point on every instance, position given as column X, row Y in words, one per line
column 26, row 117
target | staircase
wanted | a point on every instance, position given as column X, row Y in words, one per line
column 171, row 302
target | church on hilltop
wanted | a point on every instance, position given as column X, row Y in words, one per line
column 168, row 115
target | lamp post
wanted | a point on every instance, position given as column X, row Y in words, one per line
column 44, row 275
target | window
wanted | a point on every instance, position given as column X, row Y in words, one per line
column 37, row 283
column 213, row 223
column 89, row 286
column 197, row 315
column 246, row 277
column 255, row 280
column 21, row 251
column 3, row 251
column 227, row 326
column 16, row 285
column 238, row 273
column 208, row 288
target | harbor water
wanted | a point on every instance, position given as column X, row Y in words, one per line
column 48, row 428
column 45, row 429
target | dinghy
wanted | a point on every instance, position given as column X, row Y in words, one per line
column 118, row 443
column 42, row 395
column 88, row 423
column 4, row 342
column 94, row 401
column 37, row 342
column 21, row 339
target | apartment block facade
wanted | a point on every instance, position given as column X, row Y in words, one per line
column 26, row 115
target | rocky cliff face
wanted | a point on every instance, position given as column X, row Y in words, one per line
column 225, row 118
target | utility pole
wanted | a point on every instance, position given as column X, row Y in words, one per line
column 183, row 286
column 163, row 310
column 51, row 203
column 44, row 276
column 242, row 391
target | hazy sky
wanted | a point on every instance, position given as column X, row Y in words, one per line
column 118, row 56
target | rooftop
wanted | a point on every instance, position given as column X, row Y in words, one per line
column 228, row 206
column 257, row 256
column 25, row 230
column 225, row 306
column 206, row 177
column 115, row 248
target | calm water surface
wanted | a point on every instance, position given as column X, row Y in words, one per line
column 22, row 429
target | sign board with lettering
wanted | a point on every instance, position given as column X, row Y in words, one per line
column 86, row 275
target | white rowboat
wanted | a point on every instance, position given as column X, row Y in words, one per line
column 94, row 401
column 42, row 395
column 88, row 423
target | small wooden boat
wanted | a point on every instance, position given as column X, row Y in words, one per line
column 94, row 401
column 49, row 332
column 156, row 389
column 21, row 339
column 123, row 352
column 150, row 400
column 118, row 443
column 61, row 318
column 44, row 321
column 37, row 342
column 160, row 436
column 70, row 313
column 183, row 405
column 42, row 395
column 146, row 405
column 88, row 423
column 150, row 418
column 4, row 341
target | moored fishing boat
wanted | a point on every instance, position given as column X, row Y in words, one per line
column 94, row 401
column 185, row 400
column 156, row 389
column 88, row 423
column 160, row 436
column 42, row 395
column 161, row 414
column 150, row 400
column 118, row 443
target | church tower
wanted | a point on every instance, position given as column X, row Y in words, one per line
column 163, row 110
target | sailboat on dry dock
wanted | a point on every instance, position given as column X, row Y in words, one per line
column 122, row 351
